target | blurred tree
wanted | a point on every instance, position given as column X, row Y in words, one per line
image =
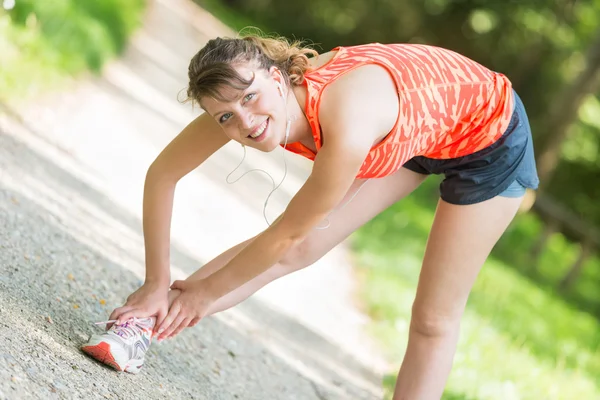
column 550, row 49
column 564, row 111
column 538, row 49
column 585, row 251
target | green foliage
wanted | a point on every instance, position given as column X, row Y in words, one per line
column 235, row 20
column 539, row 44
column 554, row 262
column 519, row 339
column 575, row 182
column 47, row 41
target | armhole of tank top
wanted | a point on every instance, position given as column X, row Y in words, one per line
column 397, row 88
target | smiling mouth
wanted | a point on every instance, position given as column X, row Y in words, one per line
column 258, row 132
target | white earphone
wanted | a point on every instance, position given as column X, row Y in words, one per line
column 276, row 186
column 289, row 121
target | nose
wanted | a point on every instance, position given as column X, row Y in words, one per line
column 246, row 119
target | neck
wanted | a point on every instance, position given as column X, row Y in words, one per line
column 300, row 128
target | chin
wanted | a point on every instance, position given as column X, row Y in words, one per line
column 269, row 147
column 270, row 144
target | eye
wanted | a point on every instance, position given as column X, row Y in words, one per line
column 249, row 97
column 225, row 117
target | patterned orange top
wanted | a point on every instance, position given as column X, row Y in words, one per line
column 450, row 106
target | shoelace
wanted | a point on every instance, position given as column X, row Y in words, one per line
column 126, row 329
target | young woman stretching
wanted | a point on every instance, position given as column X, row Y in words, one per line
column 385, row 114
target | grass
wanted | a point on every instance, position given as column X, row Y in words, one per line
column 45, row 43
column 519, row 339
column 553, row 263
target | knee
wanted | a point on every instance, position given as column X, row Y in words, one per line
column 431, row 323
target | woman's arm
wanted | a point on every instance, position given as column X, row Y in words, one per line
column 334, row 171
column 356, row 110
column 196, row 143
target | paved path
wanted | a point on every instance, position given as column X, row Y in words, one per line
column 71, row 174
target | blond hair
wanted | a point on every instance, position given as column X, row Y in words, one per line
column 212, row 67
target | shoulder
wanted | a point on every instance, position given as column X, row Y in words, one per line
column 365, row 97
column 322, row 59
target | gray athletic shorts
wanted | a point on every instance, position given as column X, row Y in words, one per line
column 504, row 168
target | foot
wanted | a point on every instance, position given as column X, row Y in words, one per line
column 123, row 346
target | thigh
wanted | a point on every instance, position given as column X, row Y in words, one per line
column 357, row 208
column 460, row 241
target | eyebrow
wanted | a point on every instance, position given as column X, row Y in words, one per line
column 217, row 114
column 242, row 95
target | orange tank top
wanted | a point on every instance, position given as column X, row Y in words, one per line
column 450, row 106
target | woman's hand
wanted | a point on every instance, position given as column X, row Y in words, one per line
column 187, row 309
column 150, row 300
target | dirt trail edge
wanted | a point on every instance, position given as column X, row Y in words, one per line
column 72, row 168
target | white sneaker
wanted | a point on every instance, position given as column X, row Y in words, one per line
column 123, row 346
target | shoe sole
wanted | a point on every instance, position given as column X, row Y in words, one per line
column 103, row 353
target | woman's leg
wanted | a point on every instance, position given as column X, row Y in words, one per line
column 461, row 239
column 373, row 197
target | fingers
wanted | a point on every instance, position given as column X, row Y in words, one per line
column 172, row 327
column 119, row 311
column 160, row 317
column 184, row 324
column 119, row 314
column 130, row 314
column 168, row 320
column 180, row 285
column 116, row 314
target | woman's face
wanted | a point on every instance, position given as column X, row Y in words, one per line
column 257, row 116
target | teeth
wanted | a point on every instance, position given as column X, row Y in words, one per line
column 259, row 131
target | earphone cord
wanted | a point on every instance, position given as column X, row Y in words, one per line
column 275, row 187
column 342, row 207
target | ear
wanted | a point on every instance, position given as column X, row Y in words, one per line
column 276, row 74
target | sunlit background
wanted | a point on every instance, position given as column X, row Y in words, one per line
column 531, row 329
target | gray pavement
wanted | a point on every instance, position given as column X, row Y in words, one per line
column 71, row 248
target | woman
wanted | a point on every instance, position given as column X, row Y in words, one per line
column 388, row 115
